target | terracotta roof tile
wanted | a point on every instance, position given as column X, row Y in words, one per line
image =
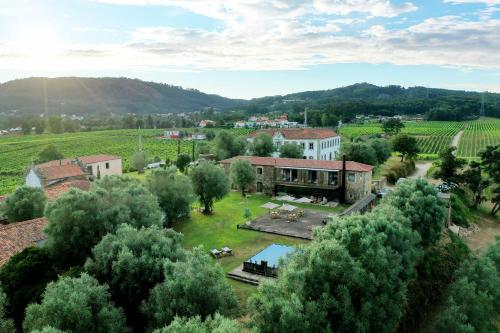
column 15, row 237
column 302, row 163
column 61, row 171
column 54, row 191
column 98, row 158
column 297, row 133
column 65, row 161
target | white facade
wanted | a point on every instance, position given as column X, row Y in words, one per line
column 106, row 168
column 313, row 149
column 32, row 179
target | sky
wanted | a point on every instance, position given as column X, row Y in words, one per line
column 254, row 48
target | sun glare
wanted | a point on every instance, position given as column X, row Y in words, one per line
column 38, row 41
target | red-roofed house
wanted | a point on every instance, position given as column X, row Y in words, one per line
column 101, row 165
column 319, row 178
column 318, row 144
column 15, row 237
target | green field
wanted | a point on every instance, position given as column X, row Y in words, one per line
column 477, row 135
column 17, row 152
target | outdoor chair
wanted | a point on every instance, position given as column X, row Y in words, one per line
column 215, row 253
column 226, row 251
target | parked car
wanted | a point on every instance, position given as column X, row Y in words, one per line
column 382, row 192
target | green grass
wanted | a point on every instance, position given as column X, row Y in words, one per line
column 219, row 229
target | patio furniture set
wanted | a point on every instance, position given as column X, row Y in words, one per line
column 224, row 252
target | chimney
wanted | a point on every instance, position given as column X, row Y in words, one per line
column 343, row 187
column 305, row 117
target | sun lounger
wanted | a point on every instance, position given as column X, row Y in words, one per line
column 215, row 253
column 226, row 251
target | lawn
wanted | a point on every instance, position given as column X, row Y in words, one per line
column 219, row 229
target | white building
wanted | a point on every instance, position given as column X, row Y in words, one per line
column 318, row 144
column 102, row 165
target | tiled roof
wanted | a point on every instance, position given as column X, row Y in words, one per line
column 15, row 237
column 61, row 171
column 297, row 133
column 65, row 161
column 54, row 191
column 301, row 163
column 98, row 158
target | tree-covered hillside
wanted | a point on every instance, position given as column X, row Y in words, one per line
column 76, row 95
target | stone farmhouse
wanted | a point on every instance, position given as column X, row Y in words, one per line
column 318, row 144
column 58, row 176
column 346, row 181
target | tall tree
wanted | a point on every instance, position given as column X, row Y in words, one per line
column 474, row 180
column 419, row 202
column 449, row 165
column 55, row 124
column 490, row 160
column 78, row 305
column 24, row 204
column 227, row 145
column 242, row 175
column 262, row 145
column 406, row 145
column 139, row 161
column 392, row 126
column 382, row 148
column 49, row 153
column 131, row 262
column 174, row 192
column 291, row 150
column 196, row 286
column 182, row 162
column 210, row 183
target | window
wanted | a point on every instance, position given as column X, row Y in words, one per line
column 312, row 176
column 330, row 156
column 303, row 145
column 311, row 145
column 107, row 165
column 89, row 169
column 351, row 177
column 310, row 157
column 333, row 178
column 259, row 171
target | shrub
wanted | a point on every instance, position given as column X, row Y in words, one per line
column 399, row 169
column 460, row 213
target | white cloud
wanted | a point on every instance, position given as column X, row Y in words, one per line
column 486, row 2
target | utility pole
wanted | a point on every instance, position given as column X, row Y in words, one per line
column 305, row 116
column 481, row 111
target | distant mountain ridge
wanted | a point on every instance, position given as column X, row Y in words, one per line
column 78, row 95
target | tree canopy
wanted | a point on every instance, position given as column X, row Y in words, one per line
column 406, row 145
column 262, row 145
column 174, row 192
column 360, row 152
column 392, row 126
column 24, row 204
column 78, row 220
column 215, row 324
column 139, row 161
column 418, row 201
column 449, row 165
column 49, row 153
column 6, row 325
column 242, row 175
column 131, row 262
column 182, row 162
column 78, row 305
column 490, row 160
column 196, row 286
column 210, row 183
column 23, row 278
column 227, row 145
column 291, row 150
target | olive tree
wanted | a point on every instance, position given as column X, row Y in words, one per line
column 351, row 278
column 418, row 201
column 242, row 175
column 78, row 220
column 49, row 153
column 131, row 262
column 291, row 150
column 78, row 305
column 24, row 204
column 210, row 183
column 182, row 162
column 215, row 324
column 227, row 145
column 262, row 145
column 174, row 192
column 139, row 161
column 196, row 286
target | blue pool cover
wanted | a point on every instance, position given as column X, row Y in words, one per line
column 272, row 254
